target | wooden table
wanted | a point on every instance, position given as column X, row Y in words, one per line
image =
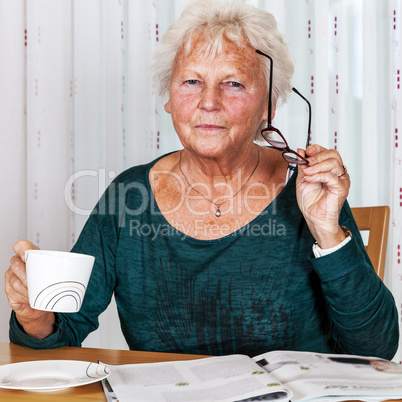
column 10, row 353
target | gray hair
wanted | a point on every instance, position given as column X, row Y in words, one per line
column 240, row 23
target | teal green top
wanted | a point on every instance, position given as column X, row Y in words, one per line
column 255, row 290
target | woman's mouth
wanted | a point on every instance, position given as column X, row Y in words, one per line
column 209, row 127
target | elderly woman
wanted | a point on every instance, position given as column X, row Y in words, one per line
column 219, row 248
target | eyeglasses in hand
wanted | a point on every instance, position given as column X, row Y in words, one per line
column 273, row 136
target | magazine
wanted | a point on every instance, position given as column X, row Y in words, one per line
column 273, row 376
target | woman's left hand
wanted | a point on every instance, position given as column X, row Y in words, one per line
column 321, row 190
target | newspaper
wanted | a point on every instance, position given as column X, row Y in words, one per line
column 273, row 376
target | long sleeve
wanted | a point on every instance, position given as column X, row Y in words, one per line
column 361, row 309
column 72, row 329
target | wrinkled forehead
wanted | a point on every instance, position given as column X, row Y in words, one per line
column 200, row 48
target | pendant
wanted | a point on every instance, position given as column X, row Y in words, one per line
column 218, row 212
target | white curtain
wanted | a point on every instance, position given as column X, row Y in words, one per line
column 77, row 107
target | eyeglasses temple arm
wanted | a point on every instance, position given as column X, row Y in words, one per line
column 270, row 87
column 309, row 114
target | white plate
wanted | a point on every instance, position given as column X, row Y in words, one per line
column 50, row 375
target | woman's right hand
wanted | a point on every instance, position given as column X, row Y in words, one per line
column 36, row 323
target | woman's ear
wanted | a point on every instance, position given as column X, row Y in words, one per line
column 167, row 106
column 265, row 116
column 273, row 110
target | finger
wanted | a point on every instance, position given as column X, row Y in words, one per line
column 330, row 180
column 301, row 167
column 321, row 154
column 18, row 268
column 314, row 149
column 302, row 152
column 21, row 246
column 344, row 171
column 16, row 291
column 326, row 166
column 13, row 258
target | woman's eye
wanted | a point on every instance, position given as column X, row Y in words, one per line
column 232, row 84
column 192, row 82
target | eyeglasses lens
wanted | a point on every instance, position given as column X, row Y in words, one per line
column 274, row 139
column 292, row 158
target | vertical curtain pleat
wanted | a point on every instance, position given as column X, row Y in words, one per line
column 87, row 136
column 13, row 178
column 49, row 58
column 394, row 275
column 77, row 107
column 140, row 108
column 369, row 102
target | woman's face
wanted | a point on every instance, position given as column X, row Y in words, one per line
column 217, row 105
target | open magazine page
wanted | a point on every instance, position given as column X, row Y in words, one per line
column 310, row 375
column 227, row 378
column 343, row 398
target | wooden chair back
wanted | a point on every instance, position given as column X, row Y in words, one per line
column 376, row 221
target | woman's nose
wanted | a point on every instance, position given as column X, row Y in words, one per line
column 210, row 99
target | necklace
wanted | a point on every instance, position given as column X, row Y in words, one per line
column 218, row 210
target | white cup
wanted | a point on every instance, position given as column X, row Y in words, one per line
column 57, row 280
